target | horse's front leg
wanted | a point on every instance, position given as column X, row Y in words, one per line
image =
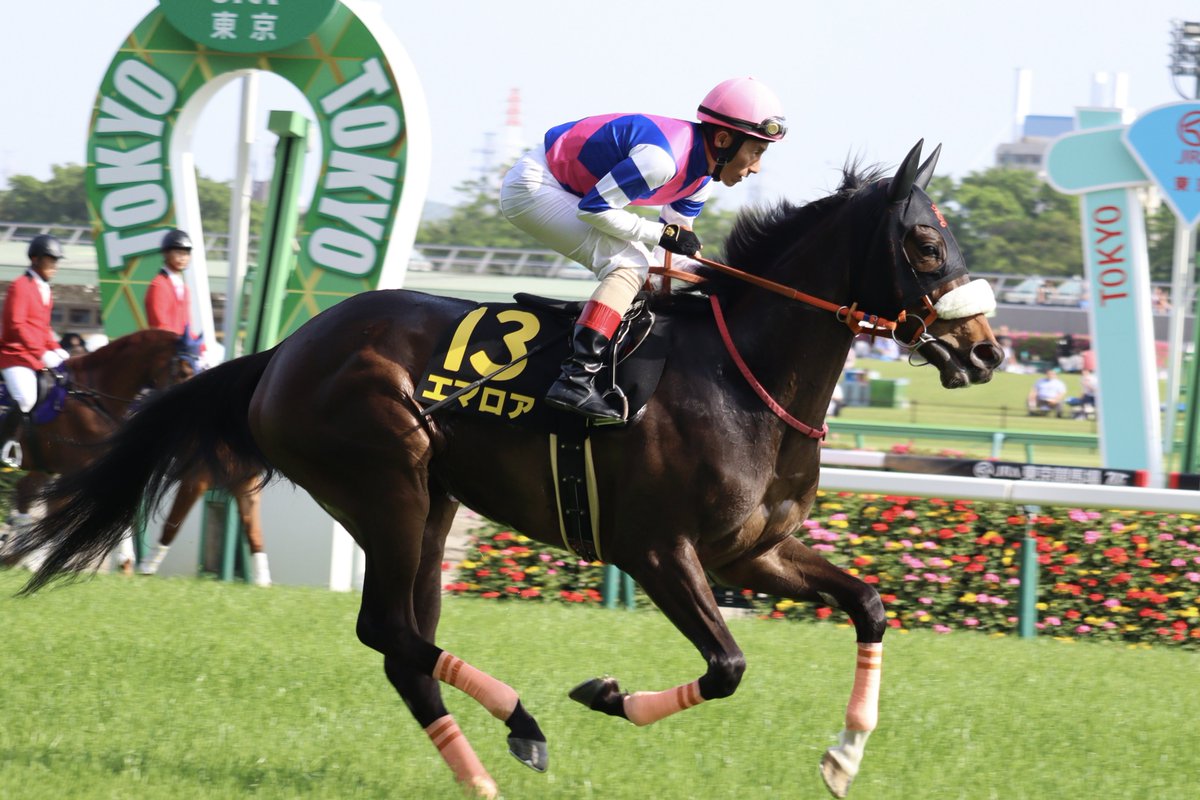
column 249, row 504
column 792, row 570
column 675, row 581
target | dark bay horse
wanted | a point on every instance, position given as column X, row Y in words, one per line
column 714, row 476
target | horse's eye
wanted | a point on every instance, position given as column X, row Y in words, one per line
column 929, row 250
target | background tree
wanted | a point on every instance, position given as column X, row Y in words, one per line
column 1009, row 221
column 62, row 200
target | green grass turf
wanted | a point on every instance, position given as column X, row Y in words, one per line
column 180, row 688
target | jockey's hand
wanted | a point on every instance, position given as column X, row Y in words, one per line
column 678, row 239
column 52, row 358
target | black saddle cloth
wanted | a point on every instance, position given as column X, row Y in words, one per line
column 491, row 335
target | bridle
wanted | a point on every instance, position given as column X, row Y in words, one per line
column 851, row 316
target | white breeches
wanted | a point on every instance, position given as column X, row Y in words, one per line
column 22, row 385
column 533, row 200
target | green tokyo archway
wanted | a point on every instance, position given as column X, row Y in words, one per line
column 358, row 230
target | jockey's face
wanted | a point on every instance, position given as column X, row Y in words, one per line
column 177, row 260
column 745, row 163
column 45, row 266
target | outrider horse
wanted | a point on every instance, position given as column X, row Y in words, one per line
column 98, row 392
column 89, row 402
column 333, row 408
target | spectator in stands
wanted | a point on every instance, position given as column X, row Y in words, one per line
column 1047, row 395
column 1087, row 395
column 1162, row 301
column 73, row 344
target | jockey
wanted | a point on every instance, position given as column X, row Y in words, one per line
column 27, row 344
column 571, row 194
column 167, row 303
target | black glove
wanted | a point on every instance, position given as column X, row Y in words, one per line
column 679, row 240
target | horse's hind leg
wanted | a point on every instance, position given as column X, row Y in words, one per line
column 675, row 581
column 399, row 614
column 792, row 570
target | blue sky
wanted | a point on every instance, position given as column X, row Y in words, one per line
column 864, row 78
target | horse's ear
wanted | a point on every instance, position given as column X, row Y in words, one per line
column 902, row 182
column 925, row 173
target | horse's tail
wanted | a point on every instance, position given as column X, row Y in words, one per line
column 202, row 421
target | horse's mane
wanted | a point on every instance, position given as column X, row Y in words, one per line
column 124, row 347
column 760, row 234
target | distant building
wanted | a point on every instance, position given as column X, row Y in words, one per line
column 1029, row 151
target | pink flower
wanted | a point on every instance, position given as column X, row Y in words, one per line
column 545, row 556
column 925, row 600
column 1091, row 537
column 1083, row 629
column 970, row 622
column 1053, row 621
column 1111, row 602
column 940, row 629
column 1194, row 577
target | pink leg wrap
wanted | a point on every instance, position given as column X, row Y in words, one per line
column 642, row 708
column 862, row 713
column 458, row 755
column 497, row 697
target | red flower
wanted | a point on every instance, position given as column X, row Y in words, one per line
column 823, row 612
column 490, row 595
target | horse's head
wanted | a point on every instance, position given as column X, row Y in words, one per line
column 915, row 274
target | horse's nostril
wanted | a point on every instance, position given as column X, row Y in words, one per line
column 986, row 355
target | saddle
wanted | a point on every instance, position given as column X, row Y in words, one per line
column 52, row 386
column 499, row 359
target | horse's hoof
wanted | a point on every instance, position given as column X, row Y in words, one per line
column 837, row 780
column 600, row 694
column 529, row 752
column 482, row 786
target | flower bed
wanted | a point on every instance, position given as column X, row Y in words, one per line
column 940, row 565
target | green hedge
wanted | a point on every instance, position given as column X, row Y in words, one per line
column 940, row 565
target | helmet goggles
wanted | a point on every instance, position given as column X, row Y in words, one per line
column 773, row 128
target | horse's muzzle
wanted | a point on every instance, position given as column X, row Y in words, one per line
column 980, row 362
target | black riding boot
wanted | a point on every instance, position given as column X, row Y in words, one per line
column 10, row 436
column 575, row 389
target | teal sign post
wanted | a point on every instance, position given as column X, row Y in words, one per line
column 1093, row 163
column 1166, row 142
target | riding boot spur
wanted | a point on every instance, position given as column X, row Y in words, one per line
column 575, row 388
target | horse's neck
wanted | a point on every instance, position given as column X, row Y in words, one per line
column 797, row 354
column 122, row 378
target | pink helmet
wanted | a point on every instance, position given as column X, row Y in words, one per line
column 746, row 105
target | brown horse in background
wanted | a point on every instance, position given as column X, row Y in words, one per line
column 712, row 478
column 102, row 389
